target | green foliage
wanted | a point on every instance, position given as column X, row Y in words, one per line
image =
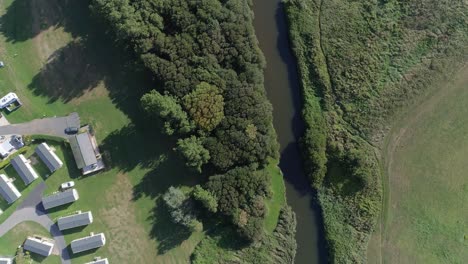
column 208, row 67
column 285, row 235
column 240, row 195
column 44, row 138
column 193, row 151
column 279, row 247
column 205, row 58
column 205, row 105
column 359, row 62
column 166, row 107
column 180, row 208
column 206, row 198
column 22, row 257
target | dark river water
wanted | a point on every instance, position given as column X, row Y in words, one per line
column 282, row 85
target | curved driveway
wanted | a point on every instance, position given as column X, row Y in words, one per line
column 31, row 209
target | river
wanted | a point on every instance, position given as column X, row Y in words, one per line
column 282, row 85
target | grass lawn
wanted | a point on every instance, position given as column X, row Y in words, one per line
column 426, row 156
column 16, row 237
column 58, row 62
column 278, row 199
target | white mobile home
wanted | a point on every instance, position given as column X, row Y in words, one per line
column 8, row 190
column 75, row 220
column 88, row 243
column 39, row 246
column 60, row 198
column 24, row 169
column 49, row 157
column 5, row 260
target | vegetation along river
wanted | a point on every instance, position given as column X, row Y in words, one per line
column 282, row 85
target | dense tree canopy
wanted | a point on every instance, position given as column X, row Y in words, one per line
column 193, row 151
column 209, row 71
column 208, row 68
column 166, row 107
column 205, row 105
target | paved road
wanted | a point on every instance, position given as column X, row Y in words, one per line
column 31, row 209
column 53, row 126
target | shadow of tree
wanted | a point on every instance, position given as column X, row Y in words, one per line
column 25, row 19
column 166, row 232
column 90, row 60
column 68, row 73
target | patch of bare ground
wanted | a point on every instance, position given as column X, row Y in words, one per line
column 125, row 235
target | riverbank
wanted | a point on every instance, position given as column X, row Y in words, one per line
column 283, row 91
column 357, row 70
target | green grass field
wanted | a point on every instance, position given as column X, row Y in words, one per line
column 58, row 62
column 426, row 218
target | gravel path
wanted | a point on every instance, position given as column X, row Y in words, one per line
column 31, row 209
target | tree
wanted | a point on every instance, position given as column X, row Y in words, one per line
column 206, row 198
column 205, row 106
column 166, row 107
column 240, row 188
column 180, row 208
column 193, row 151
column 22, row 257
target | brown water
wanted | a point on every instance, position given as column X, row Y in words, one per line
column 282, row 85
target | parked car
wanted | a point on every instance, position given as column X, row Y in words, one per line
column 71, row 130
column 67, row 185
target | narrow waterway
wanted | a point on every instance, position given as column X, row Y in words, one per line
column 282, row 85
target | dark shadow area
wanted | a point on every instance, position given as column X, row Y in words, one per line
column 168, row 233
column 54, row 209
column 91, row 59
column 25, row 19
column 69, row 160
column 73, row 230
column 37, row 258
column 80, row 254
column 39, row 208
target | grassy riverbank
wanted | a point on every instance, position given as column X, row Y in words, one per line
column 359, row 63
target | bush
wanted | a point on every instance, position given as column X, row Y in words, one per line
column 205, row 198
column 180, row 208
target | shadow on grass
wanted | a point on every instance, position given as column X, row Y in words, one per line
column 90, row 60
column 165, row 231
column 80, row 254
column 25, row 19
column 73, row 230
column 54, row 209
column 69, row 160
column 37, row 258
